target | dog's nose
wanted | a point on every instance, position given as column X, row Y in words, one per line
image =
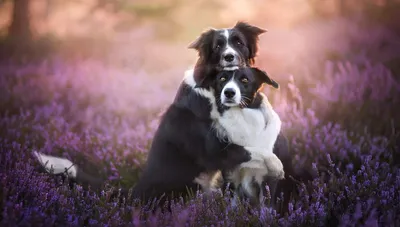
column 229, row 93
column 229, row 57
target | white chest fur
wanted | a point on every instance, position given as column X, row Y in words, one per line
column 248, row 127
column 243, row 127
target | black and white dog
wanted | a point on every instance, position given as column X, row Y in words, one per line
column 243, row 116
column 184, row 147
column 225, row 48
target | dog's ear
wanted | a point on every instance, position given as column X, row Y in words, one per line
column 204, row 40
column 263, row 76
column 250, row 29
column 251, row 33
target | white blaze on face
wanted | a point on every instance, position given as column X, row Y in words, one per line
column 229, row 50
column 231, row 85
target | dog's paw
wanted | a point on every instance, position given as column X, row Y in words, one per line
column 274, row 167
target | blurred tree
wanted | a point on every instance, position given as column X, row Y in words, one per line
column 20, row 24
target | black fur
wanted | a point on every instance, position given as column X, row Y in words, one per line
column 251, row 34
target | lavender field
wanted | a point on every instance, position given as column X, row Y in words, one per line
column 338, row 104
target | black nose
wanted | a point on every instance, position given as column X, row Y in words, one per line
column 229, row 93
column 229, row 57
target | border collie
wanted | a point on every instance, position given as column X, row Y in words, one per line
column 184, row 146
column 218, row 49
column 225, row 49
column 243, row 116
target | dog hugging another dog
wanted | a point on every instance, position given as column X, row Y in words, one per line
column 219, row 124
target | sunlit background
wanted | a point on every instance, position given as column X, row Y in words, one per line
column 121, row 30
column 88, row 79
column 151, row 37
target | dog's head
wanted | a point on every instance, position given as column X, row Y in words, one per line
column 228, row 48
column 238, row 87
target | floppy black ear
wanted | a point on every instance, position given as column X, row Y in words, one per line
column 263, row 76
column 203, row 40
column 250, row 29
column 251, row 33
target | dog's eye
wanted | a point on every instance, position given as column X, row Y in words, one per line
column 244, row 80
column 222, row 79
column 217, row 47
column 239, row 43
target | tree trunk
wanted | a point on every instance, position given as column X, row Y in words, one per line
column 20, row 26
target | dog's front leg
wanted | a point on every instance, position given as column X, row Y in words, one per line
column 263, row 164
column 273, row 123
column 230, row 180
column 219, row 155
